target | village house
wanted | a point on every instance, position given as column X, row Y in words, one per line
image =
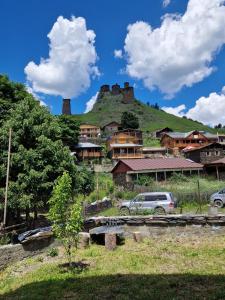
column 160, row 132
column 206, row 154
column 216, row 168
column 154, row 152
column 127, row 171
column 89, row 131
column 111, row 127
column 177, row 141
column 126, row 143
column 221, row 138
column 88, row 151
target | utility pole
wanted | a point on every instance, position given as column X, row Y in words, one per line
column 7, row 178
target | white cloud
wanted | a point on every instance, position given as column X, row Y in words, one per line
column 91, row 103
column 35, row 95
column 118, row 54
column 181, row 51
column 209, row 110
column 71, row 63
column 166, row 3
column 177, row 111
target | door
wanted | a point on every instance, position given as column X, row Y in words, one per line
column 138, row 203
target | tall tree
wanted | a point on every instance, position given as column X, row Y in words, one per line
column 10, row 94
column 129, row 120
column 70, row 130
column 38, row 156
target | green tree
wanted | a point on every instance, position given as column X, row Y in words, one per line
column 38, row 155
column 10, row 94
column 65, row 214
column 129, row 120
column 70, row 130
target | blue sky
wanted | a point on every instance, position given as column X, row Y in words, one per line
column 25, row 25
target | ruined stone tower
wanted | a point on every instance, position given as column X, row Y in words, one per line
column 66, row 109
column 127, row 91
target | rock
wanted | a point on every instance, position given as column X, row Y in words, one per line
column 110, row 241
column 84, row 240
column 137, row 237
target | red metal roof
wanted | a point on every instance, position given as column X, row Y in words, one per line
column 159, row 164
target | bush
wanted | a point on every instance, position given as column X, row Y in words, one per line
column 144, row 180
column 4, row 240
column 178, row 177
column 53, row 252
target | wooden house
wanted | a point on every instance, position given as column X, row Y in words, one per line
column 160, row 132
column 111, row 127
column 154, row 152
column 88, row 151
column 177, row 141
column 89, row 131
column 221, row 138
column 127, row 171
column 206, row 154
column 125, row 144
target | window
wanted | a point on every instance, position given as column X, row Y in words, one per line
column 217, row 153
column 177, row 141
column 222, row 191
column 208, row 153
column 150, row 198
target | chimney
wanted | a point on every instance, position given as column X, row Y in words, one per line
column 66, row 109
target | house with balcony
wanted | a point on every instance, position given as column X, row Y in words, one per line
column 88, row 151
column 125, row 143
column 89, row 131
column 177, row 141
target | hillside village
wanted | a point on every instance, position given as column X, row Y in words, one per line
column 112, row 150
column 112, row 144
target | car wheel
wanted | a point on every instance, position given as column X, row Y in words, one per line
column 218, row 203
column 124, row 211
column 159, row 211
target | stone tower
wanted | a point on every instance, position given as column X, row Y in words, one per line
column 66, row 109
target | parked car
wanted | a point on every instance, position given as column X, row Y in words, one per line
column 158, row 202
column 218, row 198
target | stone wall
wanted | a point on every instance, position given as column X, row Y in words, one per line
column 12, row 253
column 157, row 220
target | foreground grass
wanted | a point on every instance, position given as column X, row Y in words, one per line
column 168, row 268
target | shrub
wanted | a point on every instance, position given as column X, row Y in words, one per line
column 4, row 240
column 53, row 252
column 178, row 177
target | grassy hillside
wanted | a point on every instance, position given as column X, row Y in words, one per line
column 110, row 109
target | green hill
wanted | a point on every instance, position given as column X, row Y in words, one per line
column 110, row 108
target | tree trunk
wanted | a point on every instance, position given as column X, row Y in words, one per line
column 27, row 214
column 35, row 213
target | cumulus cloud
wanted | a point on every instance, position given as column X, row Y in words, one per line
column 177, row 111
column 71, row 62
column 180, row 52
column 91, row 103
column 35, row 95
column 209, row 110
column 166, row 3
column 118, row 54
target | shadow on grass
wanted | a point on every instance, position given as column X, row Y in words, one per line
column 124, row 286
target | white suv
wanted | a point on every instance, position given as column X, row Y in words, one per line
column 158, row 202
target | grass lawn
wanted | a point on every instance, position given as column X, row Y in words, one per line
column 160, row 268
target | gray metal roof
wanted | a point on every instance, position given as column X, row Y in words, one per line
column 128, row 145
column 182, row 135
column 86, row 145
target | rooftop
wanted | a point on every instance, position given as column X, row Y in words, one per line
column 182, row 135
column 160, row 164
column 86, row 145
